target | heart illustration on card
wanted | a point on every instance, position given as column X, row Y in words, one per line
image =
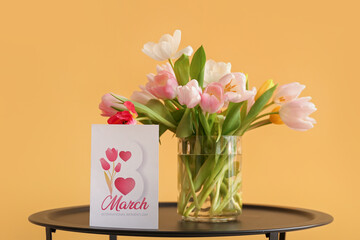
column 124, row 185
column 125, row 155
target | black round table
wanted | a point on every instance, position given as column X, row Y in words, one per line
column 273, row 221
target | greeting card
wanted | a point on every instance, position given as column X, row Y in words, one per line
column 124, row 176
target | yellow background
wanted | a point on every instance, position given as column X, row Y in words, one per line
column 57, row 58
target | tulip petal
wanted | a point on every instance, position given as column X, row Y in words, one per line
column 166, row 47
column 215, row 70
column 226, row 79
column 107, row 104
column 189, row 94
column 288, row 92
column 166, row 38
column 176, row 41
column 143, row 97
column 295, row 114
column 163, row 50
column 212, row 100
column 148, row 49
column 187, row 51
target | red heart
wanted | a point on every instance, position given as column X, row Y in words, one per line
column 124, row 185
column 125, row 155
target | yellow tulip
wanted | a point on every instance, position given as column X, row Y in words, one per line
column 266, row 86
column 275, row 118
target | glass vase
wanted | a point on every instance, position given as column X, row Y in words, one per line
column 209, row 178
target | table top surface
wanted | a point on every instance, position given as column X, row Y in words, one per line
column 255, row 219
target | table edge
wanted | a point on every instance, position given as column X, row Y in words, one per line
column 152, row 233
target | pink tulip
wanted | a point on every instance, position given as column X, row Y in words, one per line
column 190, row 94
column 288, row 92
column 212, row 100
column 107, row 102
column 234, row 85
column 164, row 84
column 104, row 164
column 143, row 97
column 118, row 167
column 111, row 154
column 251, row 100
column 165, row 67
column 295, row 114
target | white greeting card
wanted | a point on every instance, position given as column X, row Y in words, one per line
column 124, row 176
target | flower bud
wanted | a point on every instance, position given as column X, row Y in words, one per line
column 275, row 118
column 266, row 86
column 104, row 164
column 118, row 167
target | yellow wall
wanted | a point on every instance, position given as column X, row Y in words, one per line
column 57, row 58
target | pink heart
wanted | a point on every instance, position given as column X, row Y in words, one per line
column 125, row 155
column 124, row 185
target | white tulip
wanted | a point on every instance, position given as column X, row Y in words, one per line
column 215, row 70
column 166, row 48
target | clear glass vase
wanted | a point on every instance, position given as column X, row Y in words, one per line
column 209, row 178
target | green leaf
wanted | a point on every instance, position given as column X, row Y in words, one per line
column 162, row 129
column 204, row 172
column 233, row 120
column 178, row 114
column 140, row 108
column 146, row 122
column 260, row 103
column 159, row 108
column 197, row 66
column 109, row 183
column 256, row 109
column 181, row 69
column 243, row 110
column 185, row 127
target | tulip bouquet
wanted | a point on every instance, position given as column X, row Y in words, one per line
column 208, row 107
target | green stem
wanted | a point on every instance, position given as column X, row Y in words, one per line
column 178, row 105
column 195, row 121
column 142, row 118
column 258, row 124
column 216, row 199
column 230, row 195
column 209, row 184
column 170, row 105
column 268, row 105
column 191, row 183
column 171, row 63
column 264, row 115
